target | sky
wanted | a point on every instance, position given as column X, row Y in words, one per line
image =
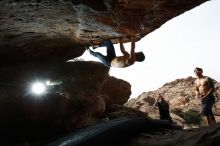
column 172, row 51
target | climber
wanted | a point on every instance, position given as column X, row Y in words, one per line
column 111, row 60
column 163, row 106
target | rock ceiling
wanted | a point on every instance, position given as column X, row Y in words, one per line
column 54, row 31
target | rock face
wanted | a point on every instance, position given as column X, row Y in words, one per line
column 56, row 31
column 117, row 91
column 74, row 100
column 181, row 96
column 205, row 136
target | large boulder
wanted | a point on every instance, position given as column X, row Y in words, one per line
column 204, row 136
column 73, row 100
column 115, row 91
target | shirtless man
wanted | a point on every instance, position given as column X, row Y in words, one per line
column 204, row 90
column 111, row 60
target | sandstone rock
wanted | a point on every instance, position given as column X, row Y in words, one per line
column 193, row 137
column 116, row 90
column 115, row 111
column 56, row 31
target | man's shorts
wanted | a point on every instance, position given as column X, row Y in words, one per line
column 207, row 105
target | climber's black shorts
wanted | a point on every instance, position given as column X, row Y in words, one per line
column 207, row 105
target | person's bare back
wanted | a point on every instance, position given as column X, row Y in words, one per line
column 122, row 61
column 127, row 59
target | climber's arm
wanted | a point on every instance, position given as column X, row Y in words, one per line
column 122, row 48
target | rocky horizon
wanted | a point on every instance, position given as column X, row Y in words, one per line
column 181, row 95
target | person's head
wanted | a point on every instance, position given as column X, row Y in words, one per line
column 161, row 97
column 198, row 71
column 140, row 56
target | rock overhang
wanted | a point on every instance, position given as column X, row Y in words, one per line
column 55, row 31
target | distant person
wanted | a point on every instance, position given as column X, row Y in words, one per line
column 163, row 106
column 204, row 91
column 111, row 60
